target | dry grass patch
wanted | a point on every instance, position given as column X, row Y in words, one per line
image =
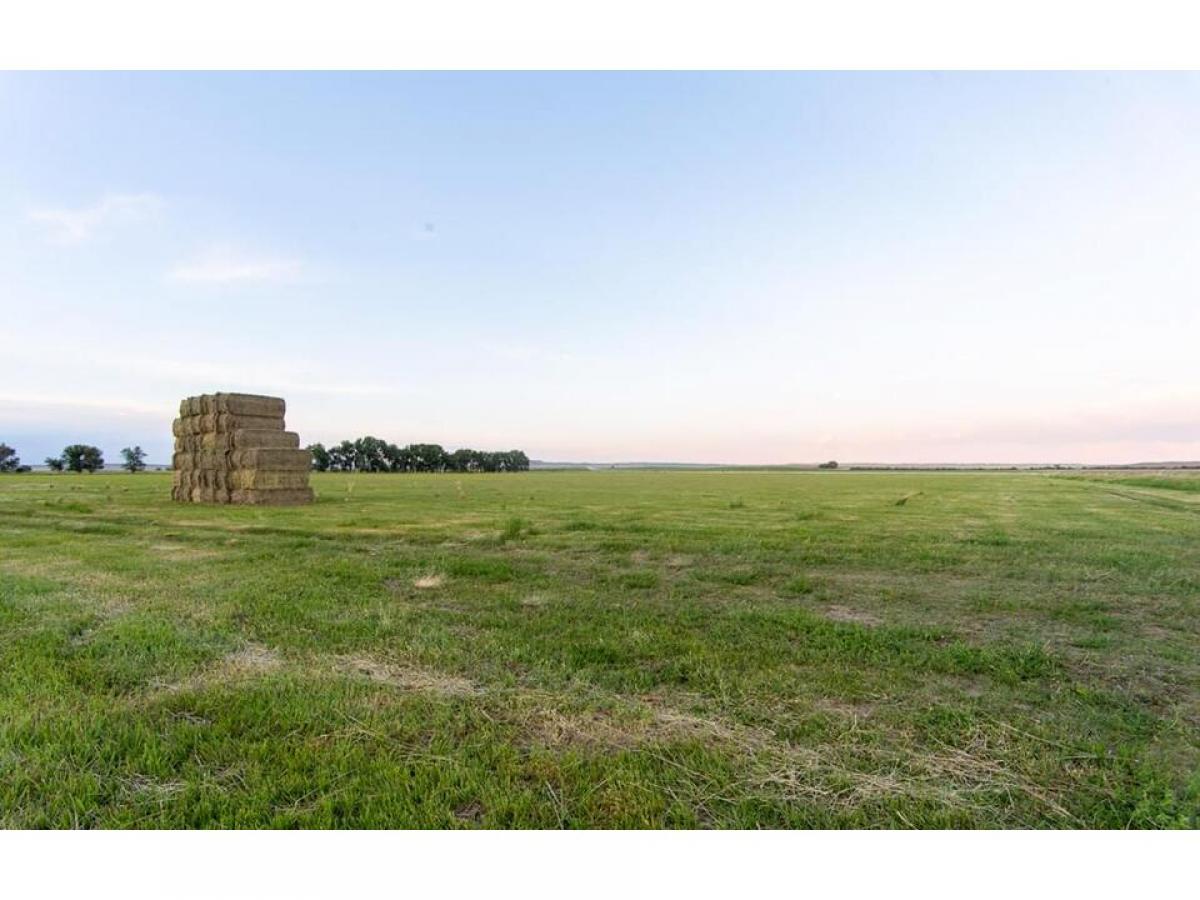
column 630, row 725
column 249, row 661
column 182, row 552
column 855, row 616
column 409, row 678
column 153, row 787
column 845, row 708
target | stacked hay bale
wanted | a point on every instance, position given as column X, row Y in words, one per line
column 232, row 448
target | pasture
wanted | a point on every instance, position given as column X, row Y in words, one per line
column 604, row 649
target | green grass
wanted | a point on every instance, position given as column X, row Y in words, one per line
column 604, row 649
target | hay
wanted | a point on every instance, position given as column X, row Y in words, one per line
column 242, row 479
column 239, row 439
column 233, row 448
column 238, row 404
column 283, row 460
column 224, row 422
column 249, row 405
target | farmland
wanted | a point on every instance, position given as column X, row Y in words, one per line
column 604, row 649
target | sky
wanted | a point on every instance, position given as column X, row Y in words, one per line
column 693, row 267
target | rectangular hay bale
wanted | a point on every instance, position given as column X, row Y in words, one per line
column 271, row 458
column 241, row 439
column 224, row 422
column 244, row 479
column 250, row 405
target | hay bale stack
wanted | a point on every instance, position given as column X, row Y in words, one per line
column 232, row 448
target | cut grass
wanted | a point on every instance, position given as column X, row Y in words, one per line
column 603, row 649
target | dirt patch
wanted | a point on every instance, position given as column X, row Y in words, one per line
column 854, row 616
column 469, row 812
column 428, row 582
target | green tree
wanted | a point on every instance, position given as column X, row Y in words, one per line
column 349, row 456
column 320, row 457
column 135, row 458
column 370, row 454
column 9, row 461
column 55, row 463
column 82, row 458
column 428, row 457
column 464, row 459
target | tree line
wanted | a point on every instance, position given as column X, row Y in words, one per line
column 75, row 458
column 371, row 454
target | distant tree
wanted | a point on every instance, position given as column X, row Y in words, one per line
column 82, row 458
column 464, row 459
column 832, row 464
column 429, row 457
column 54, row 463
column 9, row 461
column 135, row 458
column 518, row 461
column 371, row 454
column 393, row 457
column 346, row 455
column 320, row 457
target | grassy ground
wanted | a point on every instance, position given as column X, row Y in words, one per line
column 604, row 649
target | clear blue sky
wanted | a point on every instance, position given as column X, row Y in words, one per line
column 695, row 267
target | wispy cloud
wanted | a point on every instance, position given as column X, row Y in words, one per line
column 71, row 226
column 226, row 266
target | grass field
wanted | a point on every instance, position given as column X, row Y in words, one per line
column 604, row 649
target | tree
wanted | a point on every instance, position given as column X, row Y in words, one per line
column 82, row 458
column 517, row 461
column 320, row 457
column 135, row 458
column 428, row 457
column 832, row 464
column 345, row 456
column 370, row 454
column 55, row 463
column 9, row 461
column 464, row 459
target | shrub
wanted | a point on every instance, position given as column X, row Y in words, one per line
column 9, row 461
column 82, row 458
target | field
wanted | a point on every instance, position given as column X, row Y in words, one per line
column 604, row 649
